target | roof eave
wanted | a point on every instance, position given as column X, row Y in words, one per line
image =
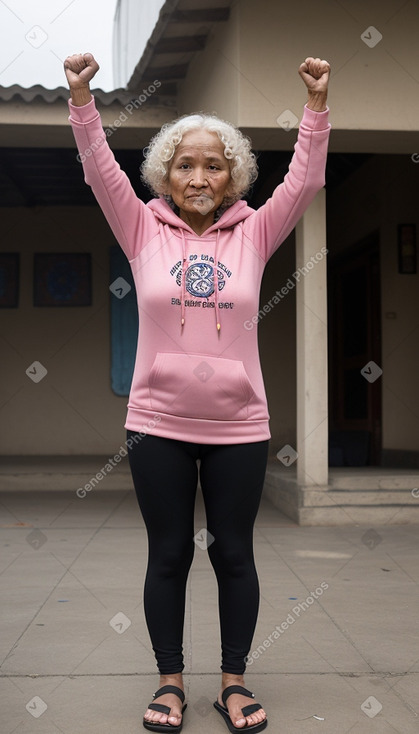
column 162, row 22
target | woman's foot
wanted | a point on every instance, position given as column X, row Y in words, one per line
column 236, row 702
column 168, row 699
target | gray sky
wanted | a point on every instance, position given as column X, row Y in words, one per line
column 37, row 35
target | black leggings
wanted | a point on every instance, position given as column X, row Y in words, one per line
column 165, row 475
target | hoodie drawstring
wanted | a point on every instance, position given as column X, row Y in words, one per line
column 217, row 315
column 182, row 285
column 183, row 279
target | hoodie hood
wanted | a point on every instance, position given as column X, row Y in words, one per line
column 236, row 213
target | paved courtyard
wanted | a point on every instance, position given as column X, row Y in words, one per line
column 336, row 648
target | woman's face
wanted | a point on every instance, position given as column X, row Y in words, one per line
column 199, row 173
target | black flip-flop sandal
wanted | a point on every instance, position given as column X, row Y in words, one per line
column 246, row 710
column 157, row 725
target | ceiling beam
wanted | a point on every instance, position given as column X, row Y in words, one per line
column 180, row 44
column 163, row 73
column 203, row 15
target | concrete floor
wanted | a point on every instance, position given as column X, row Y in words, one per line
column 75, row 652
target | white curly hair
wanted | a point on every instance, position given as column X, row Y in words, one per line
column 237, row 149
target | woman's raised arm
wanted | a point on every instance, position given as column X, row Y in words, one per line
column 131, row 221
column 274, row 220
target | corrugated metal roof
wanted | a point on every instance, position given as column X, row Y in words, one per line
column 29, row 94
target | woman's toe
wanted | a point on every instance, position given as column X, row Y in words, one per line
column 240, row 722
column 256, row 717
column 156, row 716
column 174, row 717
column 236, row 715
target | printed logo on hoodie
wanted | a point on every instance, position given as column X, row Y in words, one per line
column 199, row 277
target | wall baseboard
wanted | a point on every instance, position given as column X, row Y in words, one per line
column 400, row 459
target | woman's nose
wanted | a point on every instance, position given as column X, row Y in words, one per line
column 198, row 177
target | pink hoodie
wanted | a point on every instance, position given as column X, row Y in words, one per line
column 203, row 383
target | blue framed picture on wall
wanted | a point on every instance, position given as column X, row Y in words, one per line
column 62, row 279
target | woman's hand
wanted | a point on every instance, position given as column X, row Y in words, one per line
column 80, row 70
column 315, row 75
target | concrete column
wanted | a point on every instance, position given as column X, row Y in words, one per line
column 311, row 295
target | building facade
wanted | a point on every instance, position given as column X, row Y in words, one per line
column 340, row 351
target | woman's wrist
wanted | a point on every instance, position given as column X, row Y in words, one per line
column 317, row 101
column 80, row 96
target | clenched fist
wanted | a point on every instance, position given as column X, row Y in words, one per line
column 315, row 74
column 80, row 69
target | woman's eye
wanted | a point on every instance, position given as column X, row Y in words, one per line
column 213, row 168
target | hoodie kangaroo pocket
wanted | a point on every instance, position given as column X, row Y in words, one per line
column 196, row 386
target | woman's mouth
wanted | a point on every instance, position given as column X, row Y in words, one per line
column 202, row 202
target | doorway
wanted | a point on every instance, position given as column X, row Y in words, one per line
column 355, row 419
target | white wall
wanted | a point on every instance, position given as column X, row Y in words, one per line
column 256, row 62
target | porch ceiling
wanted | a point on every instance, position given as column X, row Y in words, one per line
column 53, row 177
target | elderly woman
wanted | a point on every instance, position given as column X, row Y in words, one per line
column 197, row 253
